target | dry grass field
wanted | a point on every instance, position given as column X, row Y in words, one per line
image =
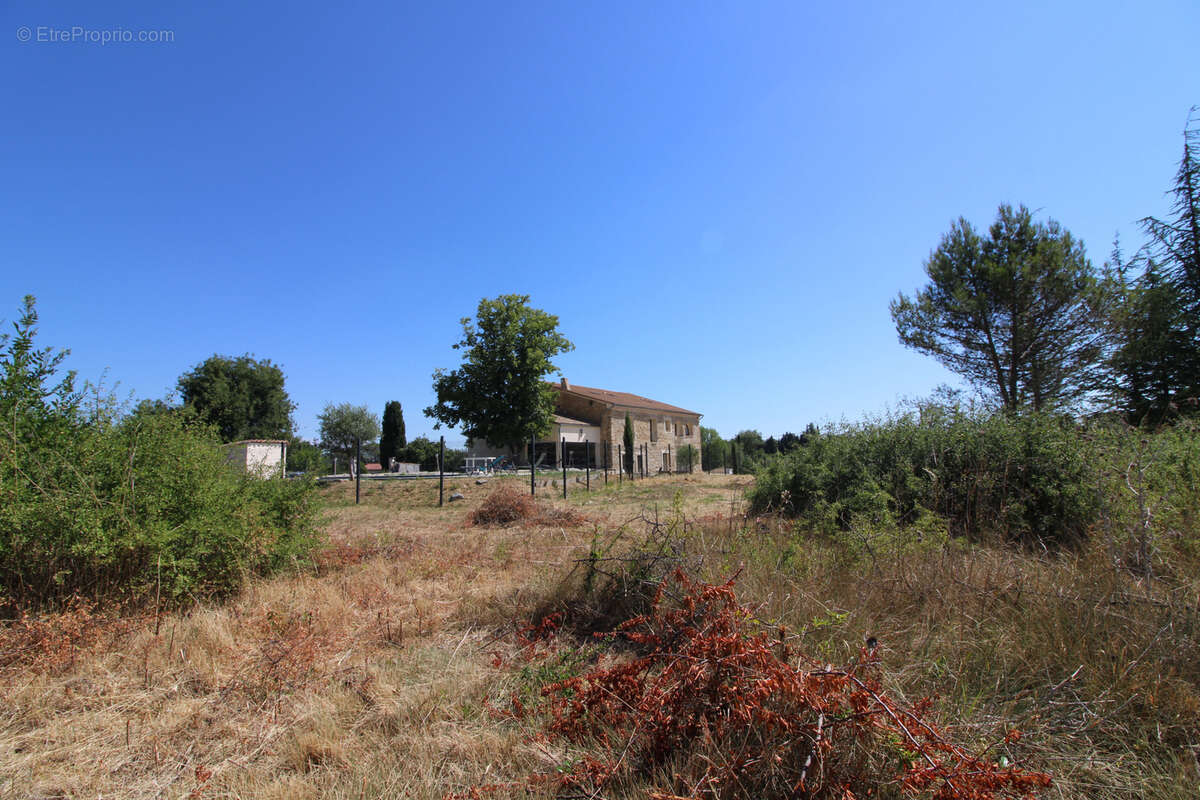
column 366, row 678
column 376, row 674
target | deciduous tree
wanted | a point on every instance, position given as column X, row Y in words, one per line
column 714, row 451
column 498, row 395
column 243, row 397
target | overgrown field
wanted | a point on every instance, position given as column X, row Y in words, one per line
column 411, row 662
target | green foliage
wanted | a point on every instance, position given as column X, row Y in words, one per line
column 1175, row 242
column 1030, row 478
column 455, row 459
column 392, row 440
column 33, row 407
column 751, row 452
column 304, row 456
column 423, row 451
column 627, row 439
column 1157, row 362
column 750, row 441
column 1018, row 314
column 242, row 397
column 344, row 424
column 1157, row 322
column 714, row 451
column 145, row 506
column 686, row 458
column 498, row 395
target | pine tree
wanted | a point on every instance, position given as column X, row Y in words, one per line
column 1156, row 360
column 1016, row 312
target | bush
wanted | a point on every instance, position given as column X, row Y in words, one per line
column 504, row 507
column 1032, row 478
column 708, row 704
column 508, row 505
column 145, row 506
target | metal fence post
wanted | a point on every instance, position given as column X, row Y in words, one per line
column 531, row 452
column 357, row 458
column 563, row 454
column 441, row 469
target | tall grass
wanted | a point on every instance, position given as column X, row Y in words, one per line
column 1096, row 665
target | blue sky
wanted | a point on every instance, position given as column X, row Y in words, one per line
column 718, row 200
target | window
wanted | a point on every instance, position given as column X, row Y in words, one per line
column 688, row 428
column 654, row 430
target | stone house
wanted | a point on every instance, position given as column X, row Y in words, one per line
column 659, row 429
column 592, row 423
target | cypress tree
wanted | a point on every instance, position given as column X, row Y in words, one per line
column 628, row 444
column 392, row 441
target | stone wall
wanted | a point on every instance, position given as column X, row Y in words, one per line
column 684, row 430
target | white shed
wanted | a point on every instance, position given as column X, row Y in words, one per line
column 264, row 458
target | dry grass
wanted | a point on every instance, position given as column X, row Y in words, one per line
column 372, row 675
column 366, row 678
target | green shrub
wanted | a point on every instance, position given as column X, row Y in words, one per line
column 132, row 509
column 1029, row 477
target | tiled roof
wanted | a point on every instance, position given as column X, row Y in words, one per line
column 260, row 441
column 625, row 399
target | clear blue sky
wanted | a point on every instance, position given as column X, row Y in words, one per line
column 718, row 200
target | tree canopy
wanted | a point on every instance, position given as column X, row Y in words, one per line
column 498, row 394
column 1156, row 362
column 243, row 397
column 32, row 395
column 344, row 424
column 714, row 451
column 1018, row 313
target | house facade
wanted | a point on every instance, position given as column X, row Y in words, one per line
column 589, row 429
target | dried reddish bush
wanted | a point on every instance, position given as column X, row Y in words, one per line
column 504, row 507
column 711, row 706
column 343, row 554
column 508, row 505
column 53, row 641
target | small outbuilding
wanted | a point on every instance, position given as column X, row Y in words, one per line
column 263, row 458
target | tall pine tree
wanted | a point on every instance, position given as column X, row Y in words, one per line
column 1157, row 356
